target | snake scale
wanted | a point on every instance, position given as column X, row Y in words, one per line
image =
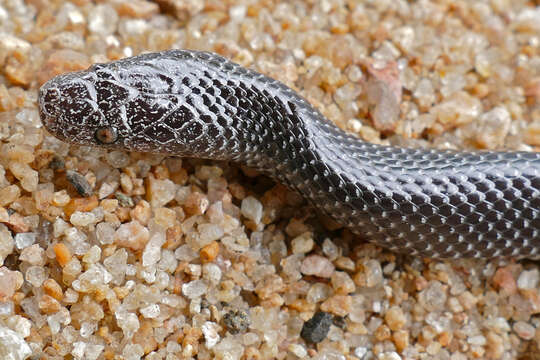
column 425, row 202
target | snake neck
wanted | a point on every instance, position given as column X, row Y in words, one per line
column 281, row 135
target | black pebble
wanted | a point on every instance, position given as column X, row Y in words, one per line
column 79, row 182
column 316, row 328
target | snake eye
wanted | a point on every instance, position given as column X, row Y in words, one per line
column 106, row 135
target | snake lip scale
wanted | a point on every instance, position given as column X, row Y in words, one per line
column 425, row 202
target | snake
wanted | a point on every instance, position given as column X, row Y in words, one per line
column 424, row 202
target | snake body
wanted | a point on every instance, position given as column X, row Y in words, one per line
column 432, row 203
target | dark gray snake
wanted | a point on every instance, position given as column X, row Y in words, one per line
column 417, row 201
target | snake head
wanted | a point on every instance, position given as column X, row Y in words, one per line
column 161, row 103
column 65, row 105
column 84, row 108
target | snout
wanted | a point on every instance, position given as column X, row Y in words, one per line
column 48, row 101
